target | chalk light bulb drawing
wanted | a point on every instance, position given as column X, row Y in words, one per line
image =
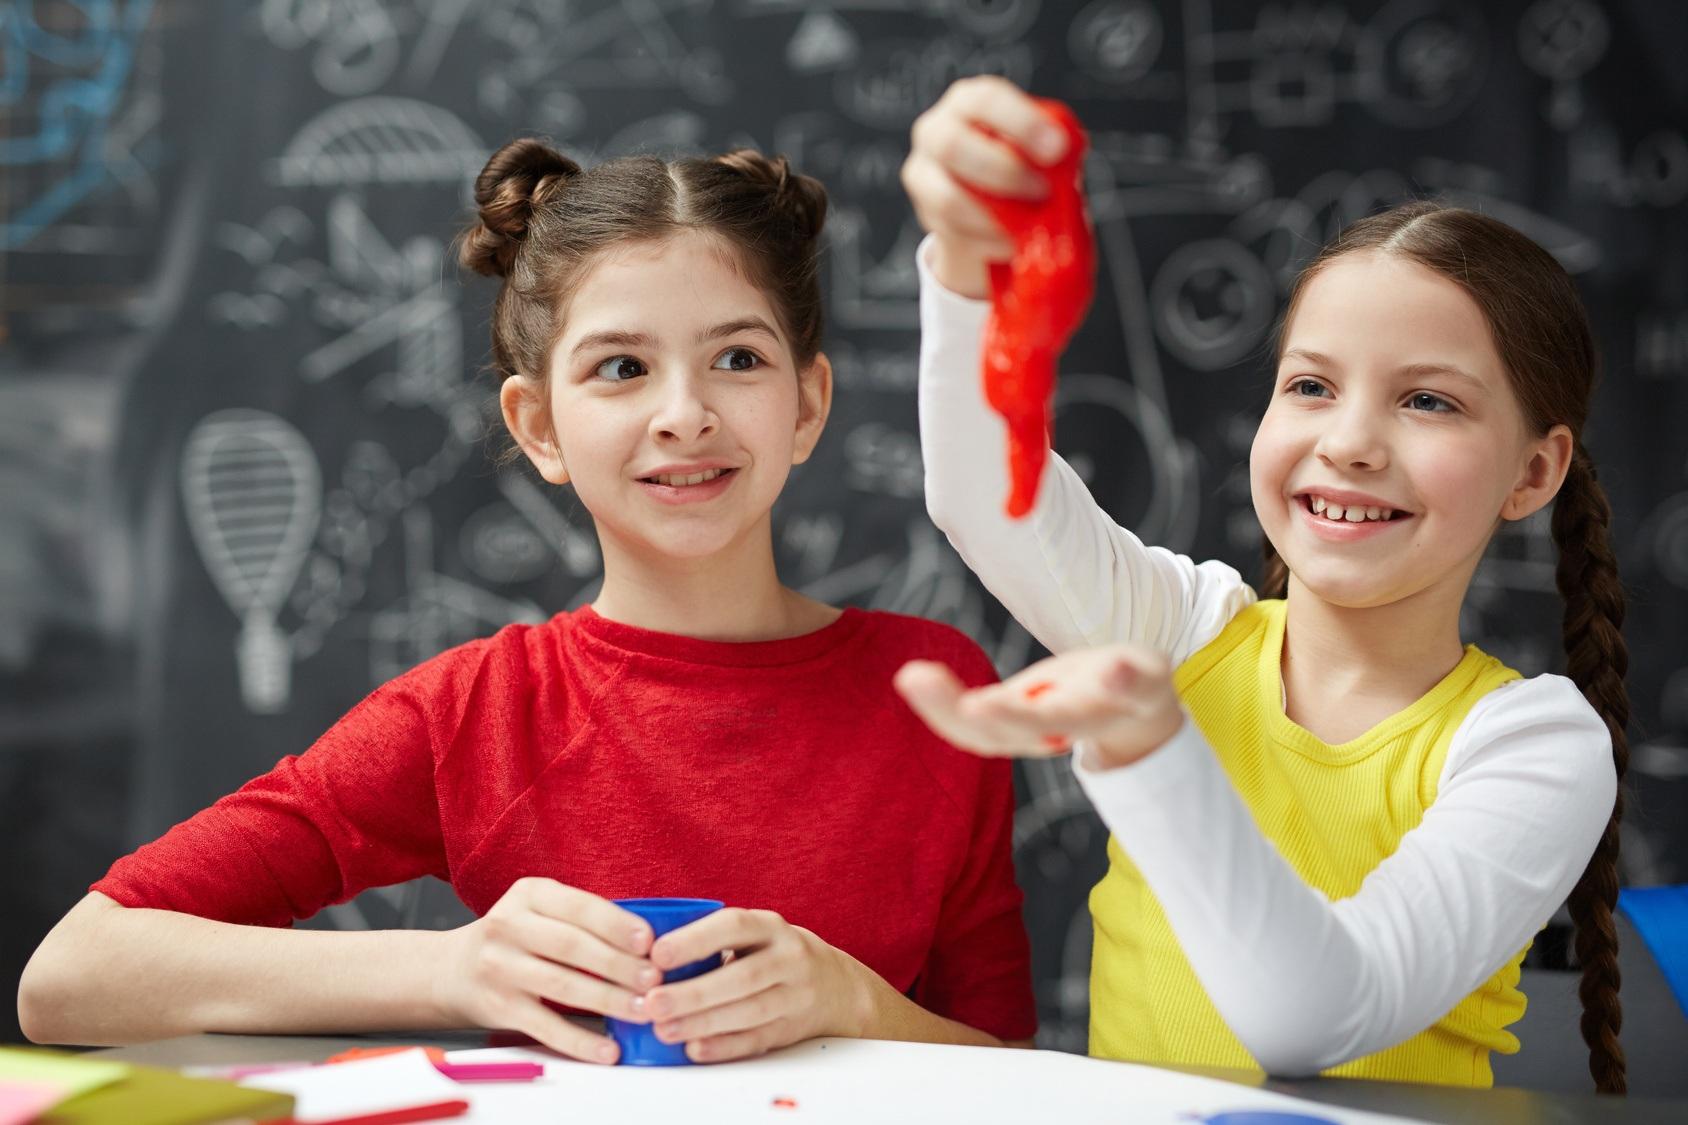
column 253, row 495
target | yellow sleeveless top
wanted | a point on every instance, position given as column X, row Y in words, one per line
column 1335, row 813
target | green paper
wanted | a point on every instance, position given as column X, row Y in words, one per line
column 114, row 1093
column 68, row 1073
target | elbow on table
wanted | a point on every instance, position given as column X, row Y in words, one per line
column 1287, row 1049
column 45, row 995
column 58, row 983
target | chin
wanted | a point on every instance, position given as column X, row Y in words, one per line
column 688, row 549
column 1346, row 590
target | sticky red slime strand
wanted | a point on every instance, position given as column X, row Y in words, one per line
column 1038, row 299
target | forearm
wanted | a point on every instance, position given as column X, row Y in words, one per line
column 1066, row 571
column 884, row 1013
column 108, row 975
column 1306, row 981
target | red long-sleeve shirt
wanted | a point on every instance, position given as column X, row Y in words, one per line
column 783, row 775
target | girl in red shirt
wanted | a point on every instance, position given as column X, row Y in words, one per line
column 699, row 730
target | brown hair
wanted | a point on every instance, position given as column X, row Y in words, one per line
column 1542, row 334
column 543, row 220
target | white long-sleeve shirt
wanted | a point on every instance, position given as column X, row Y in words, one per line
column 1304, row 982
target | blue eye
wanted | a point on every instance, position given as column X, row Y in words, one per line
column 1429, row 403
column 619, row 369
column 737, row 359
column 1306, row 388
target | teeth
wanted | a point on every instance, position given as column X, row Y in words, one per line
column 1356, row 514
column 680, row 480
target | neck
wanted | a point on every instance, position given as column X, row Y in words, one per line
column 1337, row 656
column 732, row 595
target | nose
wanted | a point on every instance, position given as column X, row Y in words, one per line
column 1352, row 437
column 682, row 414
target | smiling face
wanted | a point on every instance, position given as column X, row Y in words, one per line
column 1392, row 405
column 672, row 401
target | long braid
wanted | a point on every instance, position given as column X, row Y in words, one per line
column 1541, row 331
column 1274, row 572
column 1596, row 660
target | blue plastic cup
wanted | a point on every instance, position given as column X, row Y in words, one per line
column 638, row 1042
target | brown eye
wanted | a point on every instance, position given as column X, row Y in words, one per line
column 619, row 369
column 737, row 359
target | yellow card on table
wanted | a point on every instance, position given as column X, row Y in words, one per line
column 72, row 1075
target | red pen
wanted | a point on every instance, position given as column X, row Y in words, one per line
column 433, row 1111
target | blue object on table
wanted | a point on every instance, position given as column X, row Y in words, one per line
column 638, row 1042
column 1660, row 916
column 1265, row 1117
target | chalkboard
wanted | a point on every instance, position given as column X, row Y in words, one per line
column 244, row 419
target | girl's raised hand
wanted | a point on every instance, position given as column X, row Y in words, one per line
column 975, row 134
column 782, row 985
column 547, row 941
column 1120, row 698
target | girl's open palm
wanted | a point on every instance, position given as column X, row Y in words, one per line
column 1120, row 698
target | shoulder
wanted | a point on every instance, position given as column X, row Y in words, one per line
column 1541, row 727
column 895, row 638
column 516, row 654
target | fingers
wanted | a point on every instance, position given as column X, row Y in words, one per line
column 534, row 1019
column 714, row 1030
column 598, row 916
column 745, row 977
column 1008, row 111
column 1081, row 692
column 946, row 209
column 986, row 134
column 535, row 976
column 568, row 944
column 963, row 718
column 723, row 930
column 742, row 1044
column 963, row 150
column 1040, row 710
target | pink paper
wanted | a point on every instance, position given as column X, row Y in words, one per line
column 21, row 1102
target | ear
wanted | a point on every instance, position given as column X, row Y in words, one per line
column 814, row 404
column 1549, row 459
column 527, row 412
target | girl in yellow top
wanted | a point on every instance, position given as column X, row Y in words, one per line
column 1335, row 827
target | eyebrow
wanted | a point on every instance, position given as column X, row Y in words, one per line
column 1319, row 359
column 613, row 338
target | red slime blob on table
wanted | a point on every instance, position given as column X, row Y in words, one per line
column 1038, row 299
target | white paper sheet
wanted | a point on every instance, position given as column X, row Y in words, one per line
column 863, row 1082
column 387, row 1082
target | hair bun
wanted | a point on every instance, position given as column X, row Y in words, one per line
column 520, row 176
column 800, row 197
